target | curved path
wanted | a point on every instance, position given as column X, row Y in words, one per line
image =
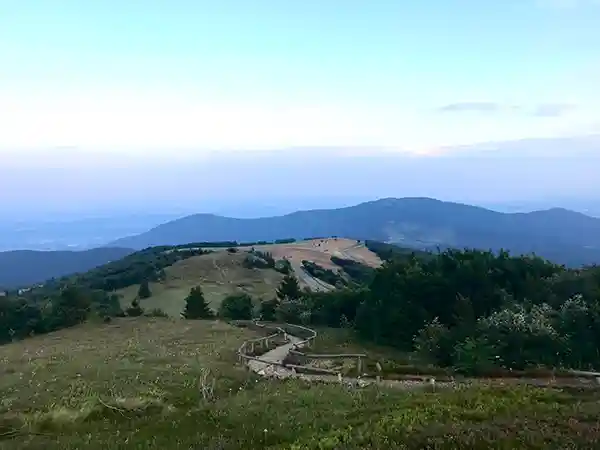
column 270, row 364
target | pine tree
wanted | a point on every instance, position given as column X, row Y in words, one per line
column 144, row 290
column 135, row 309
column 196, row 306
column 289, row 289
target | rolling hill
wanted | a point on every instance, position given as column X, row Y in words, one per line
column 222, row 273
column 561, row 235
column 20, row 268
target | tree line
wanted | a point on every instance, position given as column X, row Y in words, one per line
column 473, row 310
column 469, row 309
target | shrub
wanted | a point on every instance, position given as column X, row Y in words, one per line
column 268, row 309
column 237, row 307
column 135, row 309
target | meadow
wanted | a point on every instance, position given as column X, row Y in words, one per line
column 169, row 384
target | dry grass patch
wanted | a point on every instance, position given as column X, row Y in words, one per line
column 320, row 251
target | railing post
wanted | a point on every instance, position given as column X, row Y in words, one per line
column 359, row 366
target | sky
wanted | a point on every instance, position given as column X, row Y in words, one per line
column 203, row 105
column 186, row 77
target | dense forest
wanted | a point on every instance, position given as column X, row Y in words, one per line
column 470, row 309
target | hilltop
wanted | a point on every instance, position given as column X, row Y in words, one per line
column 223, row 272
column 563, row 236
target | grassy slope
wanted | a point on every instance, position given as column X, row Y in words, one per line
column 67, row 385
column 219, row 273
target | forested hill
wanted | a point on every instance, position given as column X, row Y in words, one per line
column 20, row 268
column 560, row 235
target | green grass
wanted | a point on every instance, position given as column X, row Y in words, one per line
column 220, row 274
column 135, row 384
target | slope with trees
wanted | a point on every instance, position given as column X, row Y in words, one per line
column 472, row 310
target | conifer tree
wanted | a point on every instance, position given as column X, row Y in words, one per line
column 196, row 306
column 289, row 289
column 144, row 290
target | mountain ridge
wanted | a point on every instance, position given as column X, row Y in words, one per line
column 568, row 237
column 20, row 268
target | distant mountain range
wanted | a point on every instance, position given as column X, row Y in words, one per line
column 20, row 268
column 558, row 234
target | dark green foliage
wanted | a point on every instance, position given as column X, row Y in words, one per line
column 391, row 252
column 146, row 265
column 237, row 307
column 293, row 311
column 470, row 309
column 259, row 260
column 144, row 290
column 334, row 309
column 106, row 304
column 232, row 250
column 358, row 272
column 326, row 275
column 268, row 309
column 285, row 241
column 19, row 318
column 283, row 266
column 70, row 308
column 289, row 289
column 135, row 310
column 196, row 306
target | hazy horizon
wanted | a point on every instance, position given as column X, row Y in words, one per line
column 241, row 108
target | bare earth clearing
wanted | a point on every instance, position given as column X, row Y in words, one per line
column 320, row 251
column 221, row 273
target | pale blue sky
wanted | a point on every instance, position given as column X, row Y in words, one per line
column 137, row 75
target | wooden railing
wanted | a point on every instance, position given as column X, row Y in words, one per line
column 263, row 342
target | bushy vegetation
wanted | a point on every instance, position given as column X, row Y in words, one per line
column 473, row 310
column 137, row 268
column 388, row 252
column 22, row 317
column 237, row 307
column 259, row 260
column 323, row 274
column 358, row 272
